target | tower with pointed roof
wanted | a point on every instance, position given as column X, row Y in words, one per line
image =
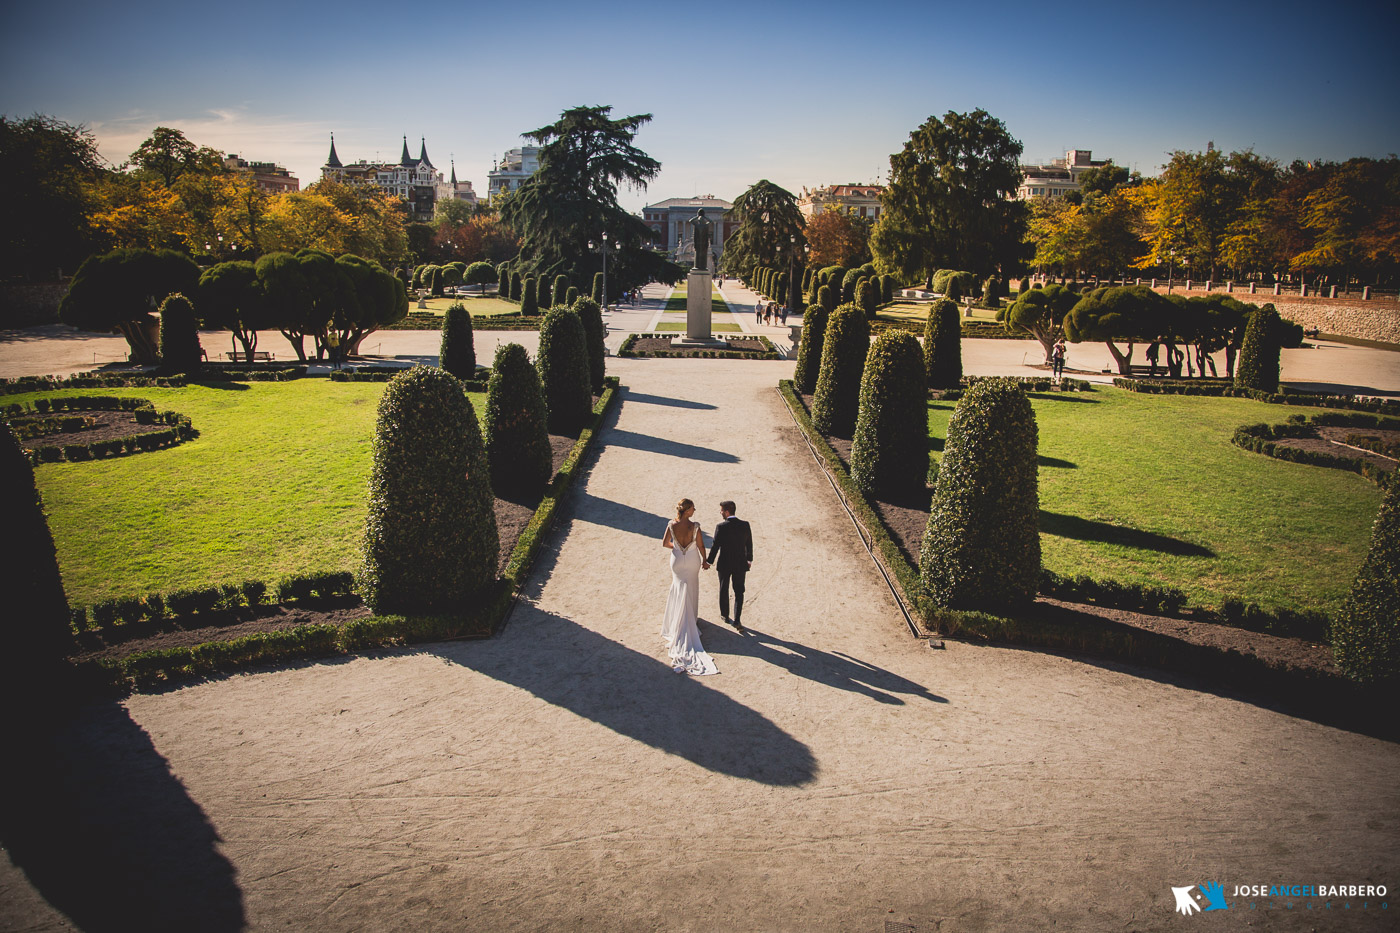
column 334, row 160
column 415, row 181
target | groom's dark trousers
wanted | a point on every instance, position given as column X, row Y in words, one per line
column 731, row 553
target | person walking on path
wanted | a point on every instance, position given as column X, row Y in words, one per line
column 680, row 623
column 731, row 553
column 1057, row 357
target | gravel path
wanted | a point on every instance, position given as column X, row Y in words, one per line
column 836, row 774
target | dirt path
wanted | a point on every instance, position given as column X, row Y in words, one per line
column 836, row 774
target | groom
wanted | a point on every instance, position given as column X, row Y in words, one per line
column 732, row 555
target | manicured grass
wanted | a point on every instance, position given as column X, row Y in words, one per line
column 274, row 484
column 919, row 312
column 1149, row 489
column 676, row 302
column 476, row 304
column 716, row 326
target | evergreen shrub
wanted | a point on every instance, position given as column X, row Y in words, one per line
column 981, row 547
column 591, row 316
column 563, row 368
column 809, row 348
column 435, row 281
column 1366, row 634
column 943, row 345
column 561, row 289
column 546, row 293
column 517, row 431
column 889, row 453
column 430, row 543
column 179, row 336
column 848, row 286
column 597, row 292
column 457, row 353
column 867, row 299
column 529, row 296
column 517, row 287
column 571, row 296
column 826, row 298
column 1259, row 352
column 844, row 348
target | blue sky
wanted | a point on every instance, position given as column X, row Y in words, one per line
column 801, row 94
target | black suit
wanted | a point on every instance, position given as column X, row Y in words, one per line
column 731, row 553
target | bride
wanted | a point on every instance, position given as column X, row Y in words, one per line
column 679, row 628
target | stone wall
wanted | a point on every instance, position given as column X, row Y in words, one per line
column 1371, row 319
column 28, row 305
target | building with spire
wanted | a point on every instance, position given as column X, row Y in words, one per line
column 414, row 180
column 510, row 173
column 460, row 190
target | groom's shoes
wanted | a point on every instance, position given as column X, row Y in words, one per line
column 738, row 626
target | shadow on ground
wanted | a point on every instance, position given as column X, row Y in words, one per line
column 644, row 398
column 660, row 445
column 635, row 695
column 1084, row 529
column 107, row 835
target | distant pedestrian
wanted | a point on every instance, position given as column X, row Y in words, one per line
column 758, row 312
column 782, row 314
column 1153, row 352
column 1057, row 358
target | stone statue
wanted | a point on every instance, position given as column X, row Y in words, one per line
column 701, row 239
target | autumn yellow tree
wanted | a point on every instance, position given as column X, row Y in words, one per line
column 838, row 238
column 338, row 219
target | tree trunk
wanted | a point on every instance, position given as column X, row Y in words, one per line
column 298, row 344
column 1229, row 361
column 1124, row 360
column 142, row 337
column 249, row 339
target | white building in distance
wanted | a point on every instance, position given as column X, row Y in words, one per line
column 515, row 166
column 858, row 200
column 1056, row 178
column 416, row 181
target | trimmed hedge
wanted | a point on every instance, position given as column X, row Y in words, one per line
column 159, row 609
column 179, row 336
column 457, row 352
column 867, row 298
column 1259, row 351
column 517, row 436
column 1260, row 438
column 809, row 349
column 889, row 454
column 529, row 297
column 561, row 291
column 981, row 546
column 563, row 368
column 25, row 384
column 430, row 542
column 943, row 346
column 1366, row 634
column 626, row 351
column 1226, row 388
column 180, row 428
column 844, row 347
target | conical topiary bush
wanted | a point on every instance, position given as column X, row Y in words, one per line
column 430, row 543
column 563, row 368
column 1366, row 634
column 595, row 336
column 457, row 352
column 809, row 350
column 844, row 347
column 529, row 297
column 1259, row 351
column 889, row 453
column 180, row 351
column 981, row 547
column 943, row 346
column 517, row 433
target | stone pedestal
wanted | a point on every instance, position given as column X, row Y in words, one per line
column 698, row 291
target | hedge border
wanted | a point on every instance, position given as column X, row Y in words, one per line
column 180, row 428
column 152, row 669
column 1225, row 388
column 26, row 384
column 1096, row 638
column 1259, row 439
column 509, row 320
column 625, row 351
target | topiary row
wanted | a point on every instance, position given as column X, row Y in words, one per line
column 181, row 604
column 845, row 344
column 889, row 452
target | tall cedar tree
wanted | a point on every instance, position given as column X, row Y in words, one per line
column 889, row 453
column 572, row 199
column 943, row 346
column 591, row 316
column 844, row 348
column 981, row 547
column 457, row 353
column 946, row 200
column 763, row 241
column 517, row 432
column 563, row 367
column 430, row 543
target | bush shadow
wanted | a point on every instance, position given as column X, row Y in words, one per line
column 629, row 396
column 1084, row 529
column 1078, row 397
column 659, row 445
column 587, row 507
column 109, row 836
column 635, row 695
column 1056, row 462
column 213, row 382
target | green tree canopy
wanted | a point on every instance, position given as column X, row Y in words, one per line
column 1130, row 313
column 946, row 205
column 49, row 167
column 572, row 201
column 1040, row 312
column 768, row 221
column 118, row 291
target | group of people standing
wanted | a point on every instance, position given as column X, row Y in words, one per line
column 770, row 312
column 731, row 554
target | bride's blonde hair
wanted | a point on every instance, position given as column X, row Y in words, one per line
column 681, row 506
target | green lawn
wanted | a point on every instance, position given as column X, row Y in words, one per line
column 919, row 312
column 274, row 484
column 476, row 304
column 676, row 302
column 1149, row 489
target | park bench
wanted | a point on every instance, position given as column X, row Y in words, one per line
column 259, row 356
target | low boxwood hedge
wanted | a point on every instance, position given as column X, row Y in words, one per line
column 769, row 352
column 1226, row 388
column 178, row 431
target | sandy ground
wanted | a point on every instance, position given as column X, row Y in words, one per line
column 836, row 775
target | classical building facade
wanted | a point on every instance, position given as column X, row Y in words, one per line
column 510, row 173
column 859, row 200
column 266, row 175
column 415, row 181
column 1056, row 178
column 669, row 218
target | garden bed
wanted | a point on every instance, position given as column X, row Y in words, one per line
column 755, row 347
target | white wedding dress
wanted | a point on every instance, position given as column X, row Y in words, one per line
column 679, row 628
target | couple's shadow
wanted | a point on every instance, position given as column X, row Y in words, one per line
column 831, row 669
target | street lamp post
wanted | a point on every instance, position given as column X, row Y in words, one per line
column 789, row 298
column 603, row 248
column 1171, row 264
